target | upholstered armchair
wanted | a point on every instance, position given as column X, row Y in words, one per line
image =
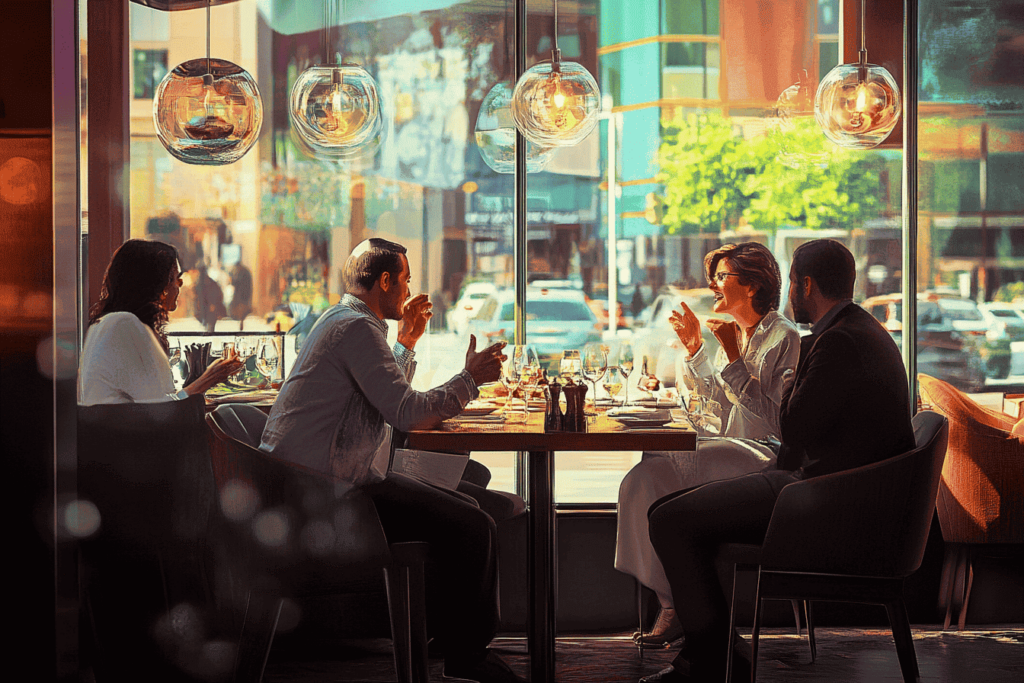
column 981, row 495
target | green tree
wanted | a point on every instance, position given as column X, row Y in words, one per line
column 713, row 175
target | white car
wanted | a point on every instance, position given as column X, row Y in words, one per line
column 468, row 305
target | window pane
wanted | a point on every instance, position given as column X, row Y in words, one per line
column 971, row 226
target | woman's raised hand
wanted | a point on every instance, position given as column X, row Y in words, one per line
column 217, row 372
column 687, row 328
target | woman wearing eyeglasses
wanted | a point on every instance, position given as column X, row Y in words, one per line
column 741, row 390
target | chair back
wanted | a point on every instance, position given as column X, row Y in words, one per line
column 146, row 467
column 315, row 534
column 981, row 495
column 240, row 422
column 867, row 521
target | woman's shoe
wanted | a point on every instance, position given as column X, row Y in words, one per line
column 667, row 630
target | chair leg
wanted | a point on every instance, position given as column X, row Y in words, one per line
column 406, row 588
column 732, row 628
column 256, row 637
column 396, row 578
column 900, row 624
column 640, row 616
column 756, row 632
column 960, row 583
column 796, row 615
column 809, row 618
column 969, row 581
column 949, row 564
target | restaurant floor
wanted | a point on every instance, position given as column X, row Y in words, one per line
column 856, row 655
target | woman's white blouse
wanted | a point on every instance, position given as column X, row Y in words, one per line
column 749, row 389
column 123, row 362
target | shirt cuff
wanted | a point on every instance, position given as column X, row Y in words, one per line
column 403, row 355
column 736, row 375
column 474, row 392
column 700, row 364
column 180, row 396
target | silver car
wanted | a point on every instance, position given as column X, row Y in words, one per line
column 556, row 320
column 654, row 337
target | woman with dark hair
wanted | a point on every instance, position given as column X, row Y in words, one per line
column 125, row 359
column 742, row 391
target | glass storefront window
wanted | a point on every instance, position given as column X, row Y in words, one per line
column 681, row 162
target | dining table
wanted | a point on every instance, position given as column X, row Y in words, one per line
column 604, row 433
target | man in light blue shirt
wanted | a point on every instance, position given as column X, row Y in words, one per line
column 332, row 415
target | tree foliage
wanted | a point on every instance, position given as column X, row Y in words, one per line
column 714, row 176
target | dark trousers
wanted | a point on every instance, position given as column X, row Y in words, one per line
column 461, row 572
column 686, row 529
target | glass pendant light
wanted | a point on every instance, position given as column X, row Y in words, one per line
column 791, row 126
column 556, row 103
column 208, row 111
column 335, row 108
column 496, row 135
column 857, row 105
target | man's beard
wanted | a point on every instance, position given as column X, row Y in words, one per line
column 393, row 307
column 800, row 314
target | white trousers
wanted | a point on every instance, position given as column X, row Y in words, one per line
column 660, row 473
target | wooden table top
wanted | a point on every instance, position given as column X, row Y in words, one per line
column 604, row 435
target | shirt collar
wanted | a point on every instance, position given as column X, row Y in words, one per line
column 357, row 304
column 826, row 320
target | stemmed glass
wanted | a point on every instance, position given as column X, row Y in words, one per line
column 625, row 366
column 244, row 348
column 174, row 360
column 529, row 368
column 595, row 362
column 571, row 366
column 510, row 373
column 267, row 358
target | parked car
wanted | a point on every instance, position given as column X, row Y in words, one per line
column 556, row 320
column 468, row 305
column 943, row 351
column 654, row 337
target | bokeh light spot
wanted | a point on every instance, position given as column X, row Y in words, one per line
column 81, row 518
column 238, row 500
column 271, row 528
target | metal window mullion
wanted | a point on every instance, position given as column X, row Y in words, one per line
column 520, row 222
column 910, row 83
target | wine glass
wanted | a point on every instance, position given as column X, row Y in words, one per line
column 244, row 348
column 643, row 382
column 595, row 362
column 612, row 384
column 625, row 365
column 529, row 368
column 510, row 374
column 267, row 358
column 174, row 360
column 570, row 366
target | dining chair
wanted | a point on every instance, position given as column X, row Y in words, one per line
column 314, row 540
column 981, row 495
column 147, row 568
column 853, row 536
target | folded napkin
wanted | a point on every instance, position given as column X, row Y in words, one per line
column 635, row 411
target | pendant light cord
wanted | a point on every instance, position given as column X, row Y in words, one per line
column 208, row 69
column 555, row 35
column 863, row 41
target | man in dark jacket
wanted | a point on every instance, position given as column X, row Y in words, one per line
column 847, row 405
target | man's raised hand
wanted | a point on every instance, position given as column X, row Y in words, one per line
column 416, row 314
column 484, row 366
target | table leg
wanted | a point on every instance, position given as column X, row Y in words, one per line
column 542, row 554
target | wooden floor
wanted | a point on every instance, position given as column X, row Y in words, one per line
column 856, row 655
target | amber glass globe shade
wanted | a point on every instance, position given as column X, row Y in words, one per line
column 496, row 134
column 793, row 130
column 556, row 104
column 857, row 105
column 208, row 116
column 336, row 110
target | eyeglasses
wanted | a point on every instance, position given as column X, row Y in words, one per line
column 720, row 277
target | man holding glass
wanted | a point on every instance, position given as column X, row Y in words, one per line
column 847, row 405
column 332, row 415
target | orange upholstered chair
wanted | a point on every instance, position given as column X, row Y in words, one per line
column 981, row 495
